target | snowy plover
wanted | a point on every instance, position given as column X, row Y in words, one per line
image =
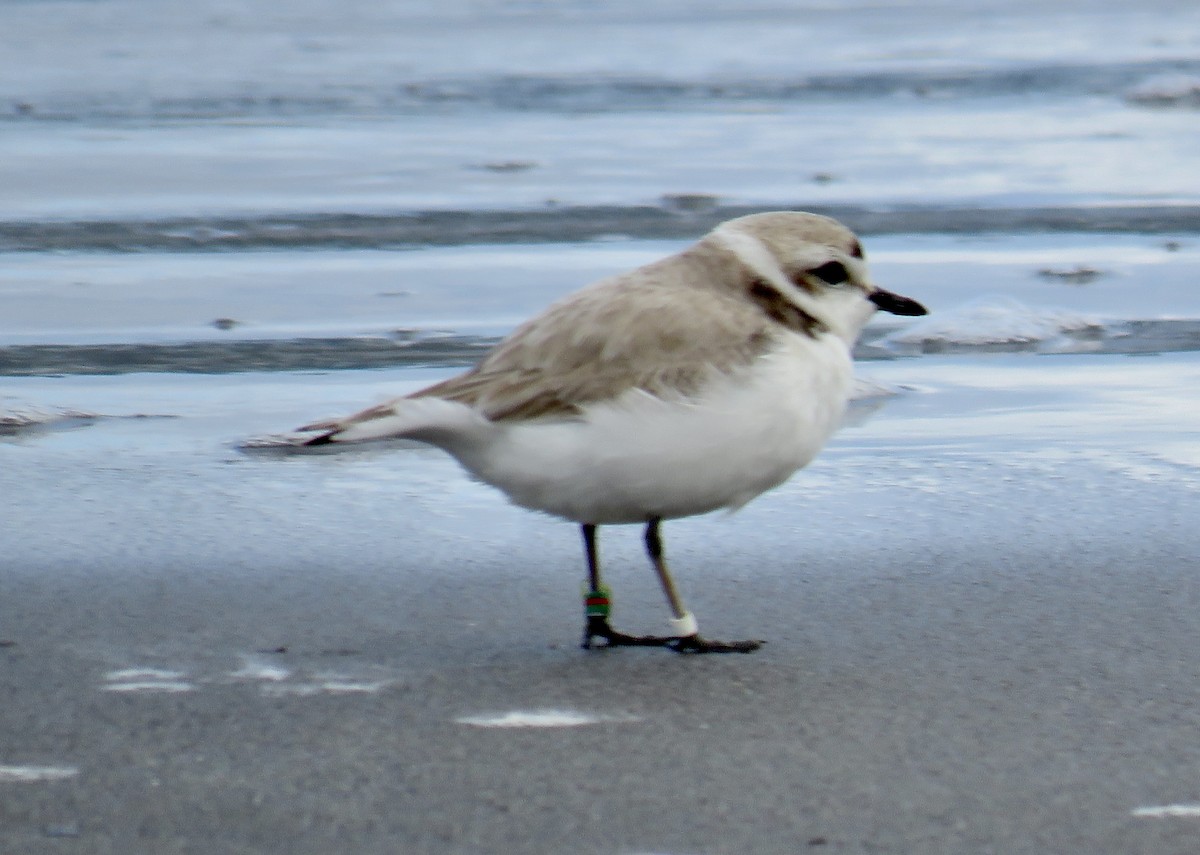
column 694, row 383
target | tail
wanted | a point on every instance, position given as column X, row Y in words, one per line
column 433, row 420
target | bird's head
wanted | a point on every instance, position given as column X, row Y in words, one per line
column 808, row 272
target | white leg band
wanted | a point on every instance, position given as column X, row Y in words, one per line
column 684, row 626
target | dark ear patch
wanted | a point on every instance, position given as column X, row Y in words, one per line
column 832, row 272
column 856, row 250
column 779, row 309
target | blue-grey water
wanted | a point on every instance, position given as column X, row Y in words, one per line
column 215, row 187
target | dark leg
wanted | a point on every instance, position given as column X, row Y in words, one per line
column 688, row 639
column 589, row 549
column 597, row 606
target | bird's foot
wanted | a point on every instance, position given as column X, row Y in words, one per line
column 599, row 628
column 696, row 644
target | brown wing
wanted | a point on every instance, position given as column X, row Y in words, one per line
column 649, row 329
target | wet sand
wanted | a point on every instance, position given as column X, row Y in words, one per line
column 981, row 631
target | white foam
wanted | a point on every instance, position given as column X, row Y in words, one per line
column 255, row 669
column 1167, row 90
column 170, row 686
column 34, row 774
column 26, row 418
column 128, row 674
column 992, row 322
column 1166, row 811
column 325, row 687
column 146, row 680
column 540, row 718
column 352, row 687
column 294, row 690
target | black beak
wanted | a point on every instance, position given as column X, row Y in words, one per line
column 896, row 304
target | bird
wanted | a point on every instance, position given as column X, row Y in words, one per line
column 691, row 384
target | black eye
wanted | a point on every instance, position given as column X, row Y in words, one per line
column 831, row 273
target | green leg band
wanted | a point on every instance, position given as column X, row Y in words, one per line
column 597, row 603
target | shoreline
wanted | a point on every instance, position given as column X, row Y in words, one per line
column 677, row 218
column 352, row 353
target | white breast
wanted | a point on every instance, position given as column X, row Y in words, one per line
column 638, row 457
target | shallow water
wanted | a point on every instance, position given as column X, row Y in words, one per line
column 328, row 309
column 122, row 111
column 148, row 445
column 354, row 187
column 395, row 188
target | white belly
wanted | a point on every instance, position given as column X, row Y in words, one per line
column 641, row 457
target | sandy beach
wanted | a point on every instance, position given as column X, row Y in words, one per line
column 207, row 651
column 222, row 221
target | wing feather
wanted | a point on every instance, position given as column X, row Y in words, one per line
column 652, row 329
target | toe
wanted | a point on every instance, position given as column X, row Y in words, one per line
column 696, row 644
